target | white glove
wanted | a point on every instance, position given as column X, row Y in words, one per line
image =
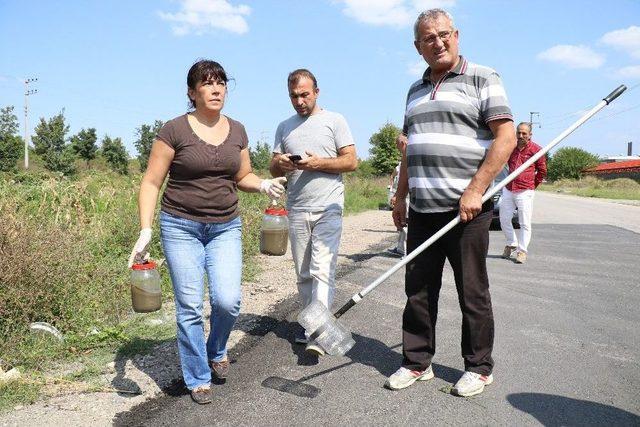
column 273, row 188
column 140, row 252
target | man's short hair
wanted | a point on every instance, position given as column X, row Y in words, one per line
column 429, row 15
column 527, row 124
column 296, row 75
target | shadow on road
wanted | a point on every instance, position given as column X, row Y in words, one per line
column 380, row 231
column 553, row 410
column 160, row 361
column 366, row 351
column 157, row 364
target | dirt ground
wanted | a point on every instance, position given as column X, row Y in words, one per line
column 147, row 375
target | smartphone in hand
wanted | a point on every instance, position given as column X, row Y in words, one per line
column 295, row 158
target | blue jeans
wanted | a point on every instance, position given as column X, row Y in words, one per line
column 191, row 249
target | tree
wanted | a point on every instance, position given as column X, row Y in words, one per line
column 567, row 162
column 50, row 135
column 8, row 121
column 10, row 142
column 63, row 161
column 260, row 156
column 84, row 144
column 146, row 136
column 116, row 155
column 49, row 142
column 385, row 154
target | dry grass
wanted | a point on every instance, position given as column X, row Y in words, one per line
column 620, row 188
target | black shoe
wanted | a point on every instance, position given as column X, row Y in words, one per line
column 300, row 337
column 395, row 252
column 202, row 395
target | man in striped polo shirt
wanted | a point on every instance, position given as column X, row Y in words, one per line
column 460, row 131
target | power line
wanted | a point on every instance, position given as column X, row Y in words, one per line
column 617, row 112
column 567, row 116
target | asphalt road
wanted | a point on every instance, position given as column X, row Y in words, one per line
column 566, row 342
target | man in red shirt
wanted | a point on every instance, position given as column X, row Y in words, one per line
column 519, row 194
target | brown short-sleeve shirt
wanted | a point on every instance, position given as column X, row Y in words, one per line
column 201, row 184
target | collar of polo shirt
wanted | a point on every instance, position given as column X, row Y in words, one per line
column 460, row 68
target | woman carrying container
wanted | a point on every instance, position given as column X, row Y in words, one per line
column 206, row 156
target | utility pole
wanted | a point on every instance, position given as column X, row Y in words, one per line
column 27, row 136
column 534, row 113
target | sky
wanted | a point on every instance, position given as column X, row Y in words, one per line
column 115, row 65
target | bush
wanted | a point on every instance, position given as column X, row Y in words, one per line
column 63, row 251
column 365, row 169
column 362, row 194
column 568, row 162
column 64, row 245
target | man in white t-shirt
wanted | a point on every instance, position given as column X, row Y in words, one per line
column 313, row 148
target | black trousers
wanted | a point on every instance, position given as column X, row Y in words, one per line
column 465, row 246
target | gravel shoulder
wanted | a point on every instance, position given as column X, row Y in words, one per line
column 265, row 302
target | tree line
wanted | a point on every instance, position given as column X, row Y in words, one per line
column 59, row 152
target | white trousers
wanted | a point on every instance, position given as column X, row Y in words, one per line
column 523, row 200
column 315, row 239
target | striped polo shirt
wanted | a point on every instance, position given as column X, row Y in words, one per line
column 447, row 128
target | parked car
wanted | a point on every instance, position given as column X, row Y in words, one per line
column 495, row 220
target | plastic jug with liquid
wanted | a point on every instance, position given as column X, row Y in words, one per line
column 274, row 232
column 146, row 294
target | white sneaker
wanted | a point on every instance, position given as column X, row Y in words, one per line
column 521, row 257
column 403, row 378
column 471, row 384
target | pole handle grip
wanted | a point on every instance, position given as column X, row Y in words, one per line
column 344, row 308
column 616, row 93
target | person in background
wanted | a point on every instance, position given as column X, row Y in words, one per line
column 401, row 246
column 460, row 134
column 205, row 154
column 519, row 194
column 313, row 148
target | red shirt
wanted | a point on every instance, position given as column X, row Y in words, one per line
column 532, row 176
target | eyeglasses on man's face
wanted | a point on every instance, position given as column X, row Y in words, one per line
column 442, row 35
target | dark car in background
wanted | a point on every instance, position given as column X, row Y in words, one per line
column 495, row 220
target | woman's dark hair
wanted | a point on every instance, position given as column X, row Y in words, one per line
column 203, row 71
